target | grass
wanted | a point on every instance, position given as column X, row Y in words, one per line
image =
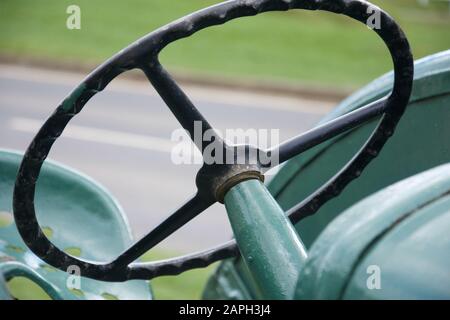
column 25, row 289
column 299, row 46
column 188, row 285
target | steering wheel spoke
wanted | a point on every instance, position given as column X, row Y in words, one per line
column 326, row 131
column 174, row 266
column 177, row 101
column 189, row 210
column 213, row 180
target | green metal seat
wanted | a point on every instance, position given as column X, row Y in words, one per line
column 94, row 229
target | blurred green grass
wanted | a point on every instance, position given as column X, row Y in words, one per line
column 307, row 47
column 187, row 286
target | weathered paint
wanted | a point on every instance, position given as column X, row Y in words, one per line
column 267, row 240
column 68, row 105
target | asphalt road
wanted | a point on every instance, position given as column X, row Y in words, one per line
column 122, row 139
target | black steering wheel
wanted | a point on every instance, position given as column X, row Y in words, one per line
column 213, row 180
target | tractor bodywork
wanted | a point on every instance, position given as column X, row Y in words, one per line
column 394, row 219
column 420, row 143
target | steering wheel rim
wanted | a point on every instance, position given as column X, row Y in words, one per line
column 143, row 54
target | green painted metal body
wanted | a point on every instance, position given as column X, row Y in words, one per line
column 95, row 228
column 414, row 258
column 402, row 230
column 420, row 142
column 269, row 244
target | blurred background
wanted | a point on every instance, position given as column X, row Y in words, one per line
column 281, row 70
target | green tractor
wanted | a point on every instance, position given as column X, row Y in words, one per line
column 359, row 209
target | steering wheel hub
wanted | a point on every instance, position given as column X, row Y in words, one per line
column 213, row 180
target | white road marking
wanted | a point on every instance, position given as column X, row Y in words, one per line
column 112, row 137
column 117, row 138
column 217, row 96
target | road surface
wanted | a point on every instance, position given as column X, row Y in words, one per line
column 122, row 139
